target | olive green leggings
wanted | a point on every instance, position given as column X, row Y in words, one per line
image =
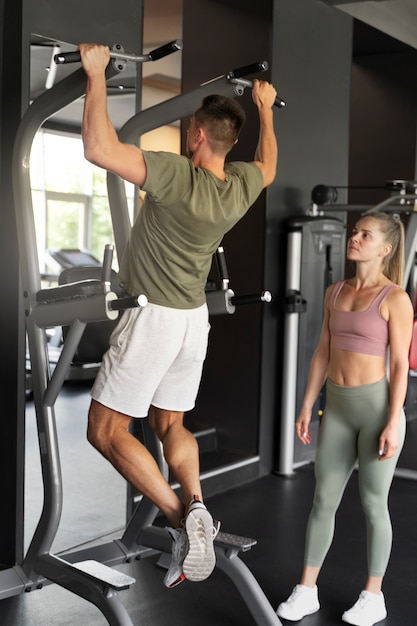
column 352, row 423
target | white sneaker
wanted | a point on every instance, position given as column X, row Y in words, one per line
column 200, row 559
column 303, row 601
column 368, row 610
column 175, row 575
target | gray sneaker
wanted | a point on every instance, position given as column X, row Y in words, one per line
column 302, row 601
column 201, row 531
column 175, row 574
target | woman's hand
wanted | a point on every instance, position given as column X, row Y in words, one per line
column 388, row 442
column 302, row 427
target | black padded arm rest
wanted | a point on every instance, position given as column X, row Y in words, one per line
column 83, row 289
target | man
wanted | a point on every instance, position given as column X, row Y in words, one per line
column 156, row 354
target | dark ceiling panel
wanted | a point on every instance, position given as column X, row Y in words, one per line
column 368, row 40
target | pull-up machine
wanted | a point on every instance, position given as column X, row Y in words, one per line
column 89, row 572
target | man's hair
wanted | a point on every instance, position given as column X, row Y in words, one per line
column 222, row 118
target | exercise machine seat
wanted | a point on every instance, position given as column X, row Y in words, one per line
column 95, row 339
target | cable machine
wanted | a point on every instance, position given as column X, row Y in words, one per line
column 315, row 258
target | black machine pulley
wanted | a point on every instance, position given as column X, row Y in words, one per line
column 323, row 194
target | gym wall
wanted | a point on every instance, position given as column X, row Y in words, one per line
column 308, row 47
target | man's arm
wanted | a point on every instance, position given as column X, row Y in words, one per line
column 266, row 156
column 101, row 143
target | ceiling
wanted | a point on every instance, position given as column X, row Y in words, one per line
column 393, row 23
column 396, row 18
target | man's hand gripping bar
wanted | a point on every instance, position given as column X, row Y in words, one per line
column 236, row 77
column 117, row 52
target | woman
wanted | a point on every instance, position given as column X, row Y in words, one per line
column 364, row 421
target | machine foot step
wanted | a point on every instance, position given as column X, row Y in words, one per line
column 102, row 573
column 226, row 540
column 235, row 541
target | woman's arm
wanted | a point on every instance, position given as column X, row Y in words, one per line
column 400, row 327
column 317, row 375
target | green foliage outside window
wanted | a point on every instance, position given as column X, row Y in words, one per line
column 70, row 196
column 101, row 227
column 62, row 228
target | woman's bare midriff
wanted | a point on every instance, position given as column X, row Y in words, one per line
column 353, row 369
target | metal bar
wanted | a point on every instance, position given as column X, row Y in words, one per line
column 65, row 358
column 391, row 200
column 248, row 587
column 117, row 52
column 44, row 107
column 290, row 351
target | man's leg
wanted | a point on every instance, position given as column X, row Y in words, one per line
column 193, row 552
column 180, row 450
column 108, row 433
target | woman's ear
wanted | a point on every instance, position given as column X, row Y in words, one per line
column 386, row 250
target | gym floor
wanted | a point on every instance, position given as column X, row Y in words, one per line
column 272, row 509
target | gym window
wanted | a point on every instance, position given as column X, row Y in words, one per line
column 70, row 202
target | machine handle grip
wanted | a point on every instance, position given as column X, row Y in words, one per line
column 238, row 73
column 245, row 70
column 221, row 264
column 264, row 296
column 279, row 103
column 107, row 261
column 166, row 49
column 158, row 53
column 130, row 302
column 67, row 57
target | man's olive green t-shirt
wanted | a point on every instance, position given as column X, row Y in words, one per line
column 186, row 212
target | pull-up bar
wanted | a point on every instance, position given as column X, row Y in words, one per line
column 117, row 52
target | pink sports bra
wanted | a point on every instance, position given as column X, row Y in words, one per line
column 359, row 331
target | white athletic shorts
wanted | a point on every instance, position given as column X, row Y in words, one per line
column 156, row 356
